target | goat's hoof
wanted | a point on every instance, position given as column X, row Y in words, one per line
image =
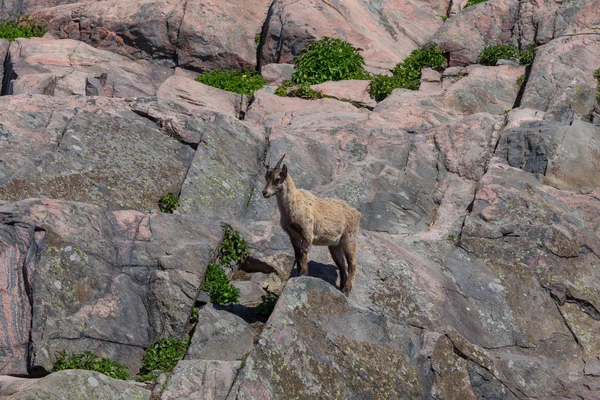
column 346, row 290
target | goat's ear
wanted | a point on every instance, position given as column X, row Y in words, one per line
column 284, row 172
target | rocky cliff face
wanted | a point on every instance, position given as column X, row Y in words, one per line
column 479, row 249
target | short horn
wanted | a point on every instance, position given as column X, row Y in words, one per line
column 280, row 160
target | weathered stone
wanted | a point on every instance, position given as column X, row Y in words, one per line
column 471, row 94
column 219, row 335
column 275, row 74
column 200, row 380
column 399, row 28
column 79, row 384
column 314, row 321
column 227, row 42
column 87, row 150
column 562, row 80
column 356, row 92
column 111, row 282
column 250, row 292
column 136, row 28
column 200, row 99
column 61, row 67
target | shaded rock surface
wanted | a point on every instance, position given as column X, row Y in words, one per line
column 219, row 335
column 200, row 379
column 72, row 385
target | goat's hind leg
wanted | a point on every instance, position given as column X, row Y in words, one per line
column 348, row 245
column 338, row 258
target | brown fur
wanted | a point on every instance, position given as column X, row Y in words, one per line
column 312, row 220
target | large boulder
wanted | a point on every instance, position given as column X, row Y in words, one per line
column 561, row 81
column 508, row 22
column 200, row 379
column 136, row 28
column 317, row 343
column 109, row 282
column 386, row 32
column 73, row 385
column 69, row 67
column 219, row 335
column 221, row 35
column 87, row 150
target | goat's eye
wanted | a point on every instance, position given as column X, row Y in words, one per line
column 277, row 181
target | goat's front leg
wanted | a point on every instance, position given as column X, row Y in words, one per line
column 307, row 238
column 297, row 244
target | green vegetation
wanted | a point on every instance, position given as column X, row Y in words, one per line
column 473, row 2
column 491, row 54
column 520, row 80
column 282, row 89
column 257, row 39
column 597, row 76
column 233, row 81
column 168, row 202
column 407, row 74
column 265, row 308
column 527, row 55
column 218, row 285
column 90, row 361
column 307, row 93
column 23, row 27
column 234, row 248
column 162, row 356
column 194, row 316
column 329, row 59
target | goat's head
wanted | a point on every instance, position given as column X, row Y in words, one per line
column 275, row 178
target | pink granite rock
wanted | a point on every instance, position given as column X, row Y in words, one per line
column 386, row 32
column 217, row 34
column 66, row 67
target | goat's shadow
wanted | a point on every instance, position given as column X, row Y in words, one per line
column 327, row 272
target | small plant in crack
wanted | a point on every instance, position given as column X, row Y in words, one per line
column 265, row 308
column 162, row 356
column 219, row 287
column 168, row 203
column 407, row 74
column 194, row 316
column 246, row 82
column 92, row 362
column 234, row 248
column 473, row 2
column 22, row 27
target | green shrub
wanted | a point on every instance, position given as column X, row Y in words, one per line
column 329, row 59
column 307, row 93
column 407, row 74
column 219, row 287
column 283, row 88
column 265, row 308
column 90, row 361
column 234, row 248
column 526, row 56
column 162, row 356
column 491, row 54
column 194, row 316
column 23, row 27
column 473, row 2
column 233, row 81
column 168, row 202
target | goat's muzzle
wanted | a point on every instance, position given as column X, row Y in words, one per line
column 266, row 194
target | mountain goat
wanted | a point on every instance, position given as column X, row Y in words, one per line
column 308, row 219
